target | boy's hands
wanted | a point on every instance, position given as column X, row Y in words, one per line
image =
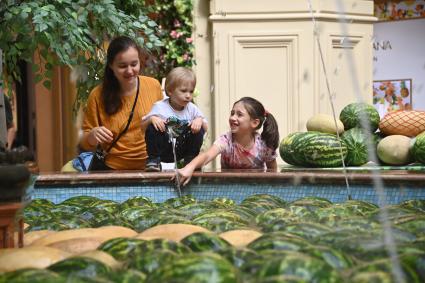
column 158, row 123
column 196, row 125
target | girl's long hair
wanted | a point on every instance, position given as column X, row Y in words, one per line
column 256, row 110
column 111, row 86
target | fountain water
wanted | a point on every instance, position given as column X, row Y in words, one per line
column 377, row 181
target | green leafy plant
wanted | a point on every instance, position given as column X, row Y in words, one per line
column 175, row 25
column 67, row 32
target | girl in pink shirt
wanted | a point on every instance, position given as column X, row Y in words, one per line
column 242, row 147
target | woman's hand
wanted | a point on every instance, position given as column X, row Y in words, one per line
column 100, row 135
column 158, row 123
column 196, row 125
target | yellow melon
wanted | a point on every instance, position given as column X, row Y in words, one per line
column 395, row 150
column 110, row 232
column 30, row 257
column 102, row 257
column 240, row 238
column 174, row 232
column 32, row 236
column 65, row 235
column 78, row 245
column 325, row 123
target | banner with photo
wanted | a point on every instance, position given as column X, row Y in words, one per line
column 399, row 10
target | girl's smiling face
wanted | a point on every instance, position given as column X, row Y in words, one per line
column 126, row 67
column 240, row 121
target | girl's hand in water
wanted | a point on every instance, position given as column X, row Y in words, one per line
column 185, row 174
column 99, row 135
column 158, row 123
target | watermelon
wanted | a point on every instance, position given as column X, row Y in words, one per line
column 196, row 267
column 385, row 265
column 239, row 257
column 372, row 277
column 418, row 149
column 128, row 276
column 306, row 230
column 136, row 202
column 120, row 247
column 157, row 245
column 179, row 201
column 82, row 201
column 415, row 204
column 81, row 267
column 312, row 203
column 286, row 149
column 33, row 275
column 201, row 241
column 278, row 241
column 290, row 148
column 356, row 140
column 352, row 114
column 322, row 150
column 309, row 268
column 273, row 200
column 333, row 257
column 151, row 260
column 268, row 217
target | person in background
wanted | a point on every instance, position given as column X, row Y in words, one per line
column 177, row 107
column 242, row 147
column 110, row 103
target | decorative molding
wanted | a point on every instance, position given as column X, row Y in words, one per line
column 226, row 17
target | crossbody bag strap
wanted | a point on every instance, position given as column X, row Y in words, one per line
column 129, row 120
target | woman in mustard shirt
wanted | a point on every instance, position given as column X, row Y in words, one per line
column 110, row 103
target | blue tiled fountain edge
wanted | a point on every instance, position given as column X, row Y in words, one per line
column 231, row 186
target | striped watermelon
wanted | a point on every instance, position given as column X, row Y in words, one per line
column 120, row 247
column 418, row 150
column 32, row 275
column 322, row 150
column 84, row 267
column 201, row 241
column 196, row 267
column 356, row 141
column 290, row 148
column 309, row 268
column 286, row 149
column 352, row 114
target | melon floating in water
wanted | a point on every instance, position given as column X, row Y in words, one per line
column 395, row 150
column 78, row 245
column 325, row 123
column 173, row 232
column 30, row 257
column 240, row 238
column 32, row 236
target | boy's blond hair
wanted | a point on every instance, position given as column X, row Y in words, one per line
column 178, row 75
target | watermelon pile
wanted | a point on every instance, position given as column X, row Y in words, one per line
column 262, row 239
column 359, row 134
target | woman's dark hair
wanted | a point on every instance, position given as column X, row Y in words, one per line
column 111, row 86
column 255, row 109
